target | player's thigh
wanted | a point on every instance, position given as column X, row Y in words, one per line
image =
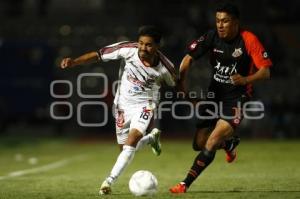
column 141, row 119
column 221, row 132
column 122, row 124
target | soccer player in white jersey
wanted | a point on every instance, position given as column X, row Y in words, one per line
column 146, row 68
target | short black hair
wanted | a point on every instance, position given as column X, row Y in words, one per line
column 229, row 8
column 152, row 31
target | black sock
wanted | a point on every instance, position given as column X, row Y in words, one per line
column 227, row 144
column 230, row 144
column 203, row 159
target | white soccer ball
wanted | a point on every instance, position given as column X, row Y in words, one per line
column 143, row 183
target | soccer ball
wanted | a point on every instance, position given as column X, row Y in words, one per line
column 143, row 183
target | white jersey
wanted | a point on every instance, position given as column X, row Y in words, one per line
column 139, row 84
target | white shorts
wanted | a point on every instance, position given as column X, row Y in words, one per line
column 136, row 116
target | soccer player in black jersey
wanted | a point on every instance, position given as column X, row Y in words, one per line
column 238, row 59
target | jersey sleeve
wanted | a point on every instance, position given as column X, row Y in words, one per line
column 169, row 79
column 168, row 72
column 200, row 46
column 115, row 51
column 256, row 50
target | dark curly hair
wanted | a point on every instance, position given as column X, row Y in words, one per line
column 229, row 8
column 151, row 31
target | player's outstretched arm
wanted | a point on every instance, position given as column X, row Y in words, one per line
column 87, row 58
column 184, row 67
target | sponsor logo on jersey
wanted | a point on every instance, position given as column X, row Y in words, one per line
column 226, row 70
column 136, row 88
column 237, row 52
column 223, row 72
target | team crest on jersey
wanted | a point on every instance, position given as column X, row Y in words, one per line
column 237, row 52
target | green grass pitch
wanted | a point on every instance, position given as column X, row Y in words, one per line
column 72, row 169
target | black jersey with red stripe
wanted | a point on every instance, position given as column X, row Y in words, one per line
column 241, row 55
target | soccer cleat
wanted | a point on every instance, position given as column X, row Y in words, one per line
column 105, row 188
column 156, row 145
column 231, row 152
column 230, row 156
column 179, row 188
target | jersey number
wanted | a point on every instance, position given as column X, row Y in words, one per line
column 145, row 115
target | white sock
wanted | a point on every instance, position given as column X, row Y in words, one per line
column 124, row 159
column 145, row 140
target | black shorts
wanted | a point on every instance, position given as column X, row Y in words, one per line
column 209, row 112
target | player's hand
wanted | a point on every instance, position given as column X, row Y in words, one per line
column 238, row 79
column 66, row 62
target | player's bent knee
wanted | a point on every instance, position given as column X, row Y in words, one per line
column 212, row 143
column 133, row 137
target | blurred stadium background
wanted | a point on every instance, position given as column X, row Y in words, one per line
column 45, row 158
column 36, row 34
